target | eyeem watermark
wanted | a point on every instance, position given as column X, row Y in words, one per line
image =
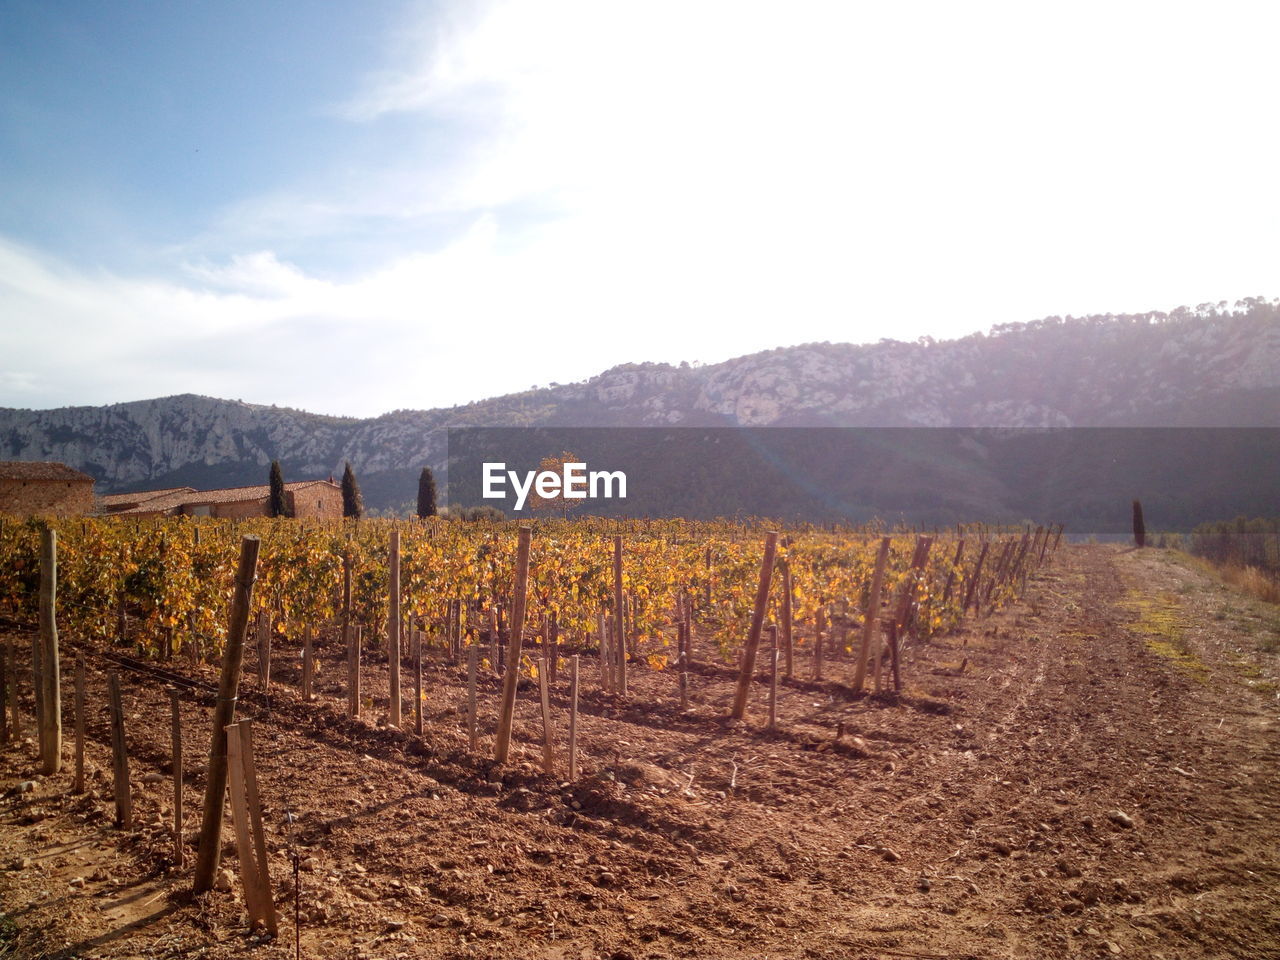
column 572, row 482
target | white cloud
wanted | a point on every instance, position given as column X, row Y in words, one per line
column 696, row 181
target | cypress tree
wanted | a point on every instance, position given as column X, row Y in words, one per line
column 426, row 493
column 276, row 506
column 1139, row 528
column 352, row 502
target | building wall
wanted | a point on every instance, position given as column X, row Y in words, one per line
column 65, row 498
column 323, row 502
column 240, row 509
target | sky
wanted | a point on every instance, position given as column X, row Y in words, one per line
column 355, row 208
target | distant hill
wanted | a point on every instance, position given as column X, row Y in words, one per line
column 1208, row 366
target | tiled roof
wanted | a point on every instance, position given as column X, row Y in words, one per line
column 161, row 501
column 258, row 492
column 39, row 470
column 142, row 496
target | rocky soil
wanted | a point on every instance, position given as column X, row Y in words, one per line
column 1088, row 774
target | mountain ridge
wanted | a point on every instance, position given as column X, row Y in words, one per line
column 1211, row 366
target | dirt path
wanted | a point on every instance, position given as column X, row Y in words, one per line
column 1091, row 773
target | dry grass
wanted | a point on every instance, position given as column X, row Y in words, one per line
column 1248, row 580
column 1252, row 581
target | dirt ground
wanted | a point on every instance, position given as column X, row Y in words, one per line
column 1090, row 773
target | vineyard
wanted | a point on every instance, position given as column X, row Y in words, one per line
column 585, row 739
column 165, row 587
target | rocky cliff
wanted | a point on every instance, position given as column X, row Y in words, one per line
column 1212, row 366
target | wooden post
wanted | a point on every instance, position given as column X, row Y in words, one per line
column 262, row 639
column 502, row 746
column 493, row 639
column 210, row 849
column 971, row 594
column 872, row 615
column 894, row 655
column 350, row 642
column 308, row 664
column 572, row 720
column 417, row 681
column 250, row 877
column 773, row 676
column 50, row 675
column 951, row 574
column 37, row 686
column 175, row 720
column 358, row 653
column 4, row 692
column 254, row 802
column 548, row 737
column 707, row 593
column 393, row 629
column 606, row 666
column 619, row 623
column 553, row 639
column 15, row 718
column 788, row 645
column 757, row 625
column 901, row 610
column 820, row 628
column 119, row 755
column 473, row 733
column 78, row 785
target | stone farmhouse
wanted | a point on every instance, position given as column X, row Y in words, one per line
column 305, row 498
column 31, row 488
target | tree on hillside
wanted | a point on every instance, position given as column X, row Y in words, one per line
column 426, row 493
column 1139, row 528
column 276, row 505
column 352, row 502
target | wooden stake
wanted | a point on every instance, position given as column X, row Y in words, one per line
column 619, row 624
column 548, row 737
column 820, row 628
column 175, row 735
column 15, row 718
column 51, row 680
column 417, row 682
column 553, row 639
column 250, row 877
column 254, row 802
column 308, row 664
column 119, row 755
column 872, row 615
column 787, row 641
column 894, row 655
column 210, row 849
column 493, row 639
column 351, row 641
column 359, row 632
column 951, row 574
column 260, row 642
column 773, row 676
column 78, row 785
column 393, row 629
column 757, row 624
column 573, row 720
column 473, row 732
column 606, row 667
column 5, row 683
column 502, row 746
column 971, row 593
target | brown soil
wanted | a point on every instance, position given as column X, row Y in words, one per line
column 1099, row 779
